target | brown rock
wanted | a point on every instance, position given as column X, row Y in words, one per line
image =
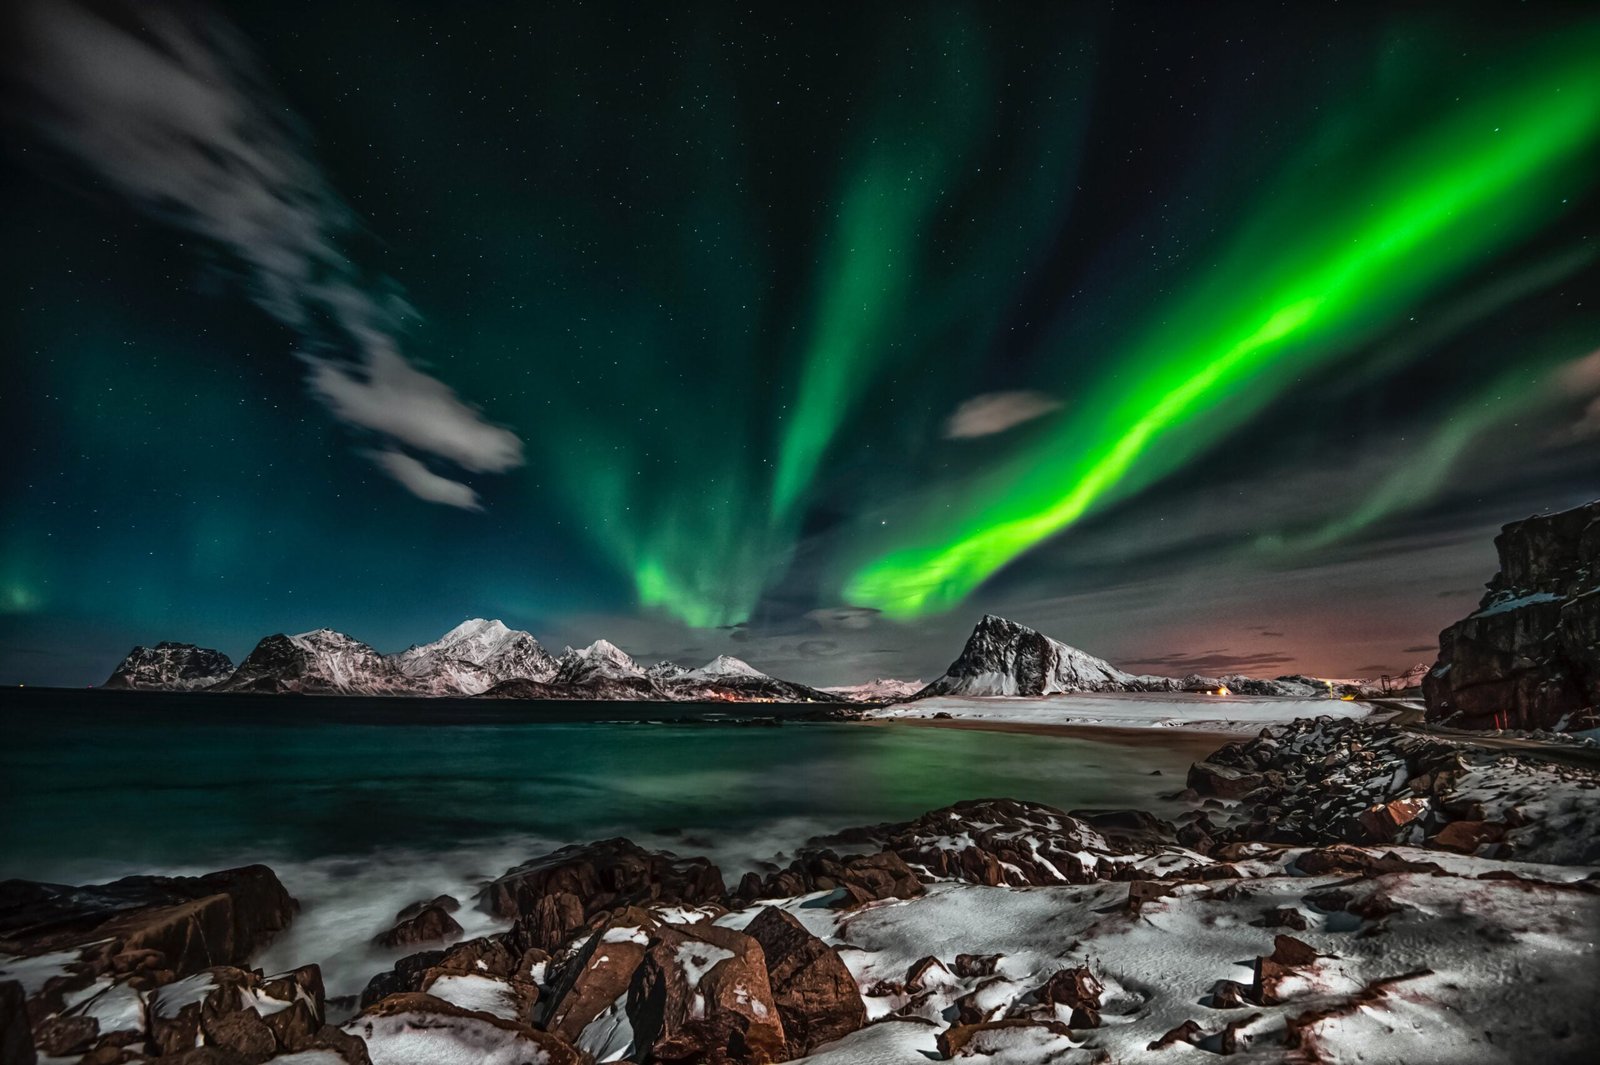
column 600, row 973
column 968, row 1040
column 431, row 925
column 1230, row 995
column 1225, row 782
column 701, row 995
column 1465, row 837
column 971, row 965
column 603, row 876
column 60, row 1036
column 1187, row 1032
column 1353, row 861
column 162, row 926
column 976, row 1007
column 447, row 903
column 1074, row 988
column 817, row 998
column 1382, row 821
column 241, row 1032
column 1273, row 971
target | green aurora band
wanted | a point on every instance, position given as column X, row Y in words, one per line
column 1282, row 301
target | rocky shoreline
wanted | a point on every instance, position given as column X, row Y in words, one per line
column 1337, row 889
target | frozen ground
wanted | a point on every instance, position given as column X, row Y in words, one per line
column 1211, row 713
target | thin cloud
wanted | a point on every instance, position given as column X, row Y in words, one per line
column 168, row 106
column 995, row 412
column 423, row 482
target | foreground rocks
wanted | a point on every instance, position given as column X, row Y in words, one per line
column 144, row 930
column 1325, row 780
column 1338, row 892
column 1529, row 656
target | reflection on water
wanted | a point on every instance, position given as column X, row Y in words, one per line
column 359, row 818
column 100, row 796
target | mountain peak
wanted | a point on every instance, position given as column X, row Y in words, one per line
column 728, row 666
column 1002, row 657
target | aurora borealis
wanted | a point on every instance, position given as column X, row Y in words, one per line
column 652, row 325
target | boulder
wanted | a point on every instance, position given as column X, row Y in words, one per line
column 1465, row 837
column 595, row 979
column 1074, row 988
column 555, row 895
column 701, row 995
column 1224, row 782
column 163, row 927
column 447, row 903
column 817, row 998
column 858, row 879
column 432, row 924
column 1276, row 973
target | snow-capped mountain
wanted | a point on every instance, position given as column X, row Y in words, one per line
column 475, row 656
column 1004, row 658
column 171, row 666
column 601, row 660
column 665, row 670
column 318, row 661
column 881, row 690
column 724, row 666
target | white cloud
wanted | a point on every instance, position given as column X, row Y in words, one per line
column 179, row 119
column 423, row 482
column 389, row 395
column 995, row 412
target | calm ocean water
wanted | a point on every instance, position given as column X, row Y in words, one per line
column 362, row 806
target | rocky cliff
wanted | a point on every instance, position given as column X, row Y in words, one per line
column 1529, row 656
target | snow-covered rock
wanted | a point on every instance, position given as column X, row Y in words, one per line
column 171, row 667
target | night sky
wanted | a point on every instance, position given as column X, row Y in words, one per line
column 1205, row 337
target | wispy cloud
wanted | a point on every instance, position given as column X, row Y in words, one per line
column 995, row 412
column 423, row 482
column 168, row 106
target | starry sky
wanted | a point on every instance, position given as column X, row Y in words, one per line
column 1205, row 337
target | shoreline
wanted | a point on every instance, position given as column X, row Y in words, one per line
column 1127, row 735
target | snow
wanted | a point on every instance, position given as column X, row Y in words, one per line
column 115, row 1007
column 696, row 959
column 168, row 1001
column 883, row 689
column 309, row 1057
column 728, row 666
column 609, row 1037
column 621, row 934
column 482, row 993
column 1520, row 601
column 33, row 973
column 1210, row 713
column 440, row 1039
column 1530, row 990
